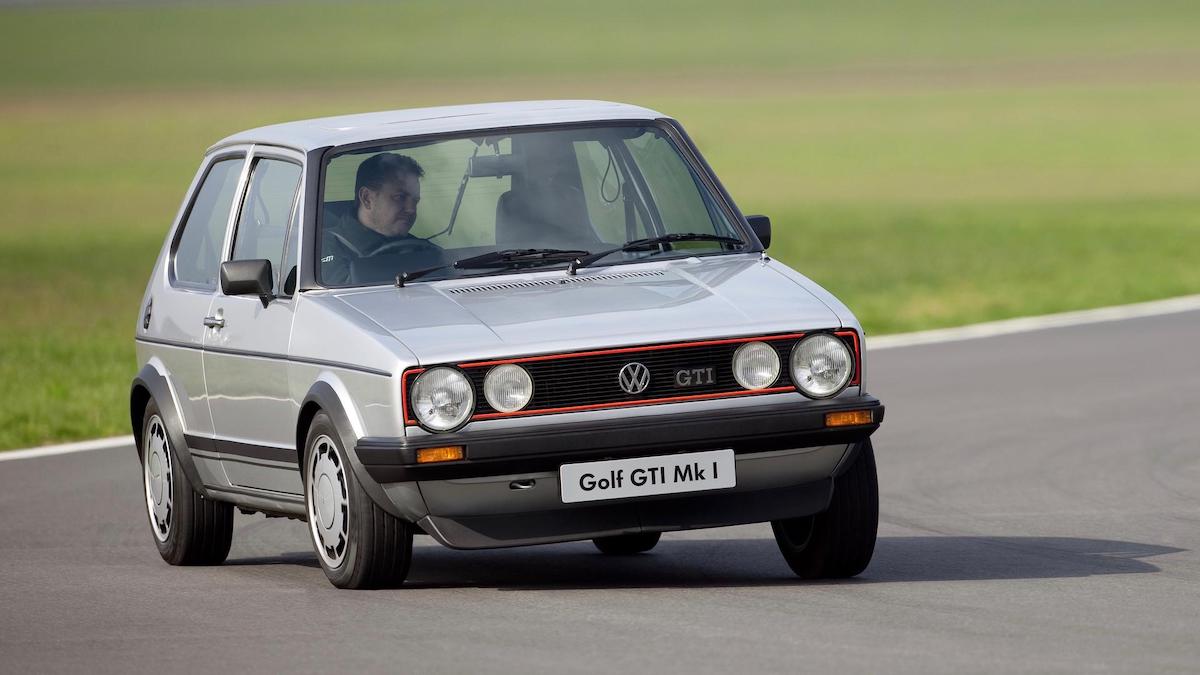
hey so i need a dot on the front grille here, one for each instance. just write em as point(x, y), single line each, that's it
point(588, 380)
point(593, 380)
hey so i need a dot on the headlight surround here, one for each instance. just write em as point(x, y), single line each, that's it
point(508, 388)
point(442, 398)
point(821, 365)
point(755, 365)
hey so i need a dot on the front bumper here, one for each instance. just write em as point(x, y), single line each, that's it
point(490, 512)
point(506, 492)
point(795, 422)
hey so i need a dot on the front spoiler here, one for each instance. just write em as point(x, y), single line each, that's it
point(544, 447)
point(603, 519)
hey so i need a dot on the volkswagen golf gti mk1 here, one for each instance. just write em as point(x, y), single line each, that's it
point(495, 325)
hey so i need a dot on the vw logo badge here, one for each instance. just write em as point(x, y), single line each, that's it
point(634, 378)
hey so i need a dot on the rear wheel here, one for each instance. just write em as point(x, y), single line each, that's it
point(188, 528)
point(359, 545)
point(627, 544)
point(839, 542)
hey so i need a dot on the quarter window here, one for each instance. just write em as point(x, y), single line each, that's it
point(198, 253)
point(266, 212)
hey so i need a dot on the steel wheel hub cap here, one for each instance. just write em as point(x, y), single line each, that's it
point(159, 477)
point(328, 501)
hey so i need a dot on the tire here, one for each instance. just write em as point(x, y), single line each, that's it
point(839, 542)
point(358, 544)
point(187, 528)
point(627, 544)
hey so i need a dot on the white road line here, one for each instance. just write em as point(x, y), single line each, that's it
point(1026, 324)
point(82, 446)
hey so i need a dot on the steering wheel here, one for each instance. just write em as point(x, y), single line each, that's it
point(399, 245)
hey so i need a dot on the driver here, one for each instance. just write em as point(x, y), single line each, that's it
point(387, 189)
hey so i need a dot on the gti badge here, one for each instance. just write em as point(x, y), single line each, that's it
point(634, 378)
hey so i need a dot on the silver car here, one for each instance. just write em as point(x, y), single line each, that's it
point(495, 325)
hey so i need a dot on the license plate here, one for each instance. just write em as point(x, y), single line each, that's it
point(642, 476)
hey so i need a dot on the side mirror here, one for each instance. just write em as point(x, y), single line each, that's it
point(762, 229)
point(247, 277)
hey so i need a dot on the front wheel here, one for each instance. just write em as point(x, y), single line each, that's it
point(359, 545)
point(188, 528)
point(839, 542)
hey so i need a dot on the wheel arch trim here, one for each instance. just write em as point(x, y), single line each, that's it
point(151, 384)
point(332, 398)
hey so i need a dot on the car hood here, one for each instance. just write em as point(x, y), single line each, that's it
point(537, 313)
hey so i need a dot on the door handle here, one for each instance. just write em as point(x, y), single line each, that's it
point(214, 321)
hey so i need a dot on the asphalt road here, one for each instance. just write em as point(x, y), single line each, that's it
point(1040, 512)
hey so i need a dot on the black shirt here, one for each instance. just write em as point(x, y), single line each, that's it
point(347, 243)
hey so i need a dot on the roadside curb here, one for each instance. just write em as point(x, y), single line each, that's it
point(1029, 324)
point(975, 331)
point(66, 448)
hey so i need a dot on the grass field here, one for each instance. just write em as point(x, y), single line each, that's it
point(932, 163)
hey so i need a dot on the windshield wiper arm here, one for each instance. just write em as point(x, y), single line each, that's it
point(515, 257)
point(405, 277)
point(506, 258)
point(643, 244)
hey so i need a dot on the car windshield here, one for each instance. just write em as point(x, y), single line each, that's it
point(513, 201)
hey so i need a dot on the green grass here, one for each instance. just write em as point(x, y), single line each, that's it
point(933, 164)
point(909, 268)
point(305, 43)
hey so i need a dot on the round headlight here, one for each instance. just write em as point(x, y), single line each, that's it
point(821, 365)
point(443, 398)
point(508, 388)
point(755, 365)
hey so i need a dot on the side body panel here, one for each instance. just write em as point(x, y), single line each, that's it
point(247, 374)
point(330, 340)
point(245, 361)
point(170, 333)
point(178, 322)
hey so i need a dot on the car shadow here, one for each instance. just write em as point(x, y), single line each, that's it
point(757, 562)
point(296, 558)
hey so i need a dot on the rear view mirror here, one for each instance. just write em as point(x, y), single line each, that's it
point(247, 277)
point(496, 165)
point(762, 229)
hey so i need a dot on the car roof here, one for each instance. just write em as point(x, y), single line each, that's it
point(306, 135)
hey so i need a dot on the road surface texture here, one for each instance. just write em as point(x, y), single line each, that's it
point(1040, 512)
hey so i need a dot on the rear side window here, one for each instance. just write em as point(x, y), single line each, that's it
point(198, 253)
point(266, 212)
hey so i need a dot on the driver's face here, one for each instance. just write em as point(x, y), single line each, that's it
point(392, 209)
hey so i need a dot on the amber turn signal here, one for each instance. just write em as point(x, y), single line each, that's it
point(848, 418)
point(448, 453)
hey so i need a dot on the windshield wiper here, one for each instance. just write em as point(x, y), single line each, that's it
point(644, 244)
point(512, 257)
point(517, 257)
